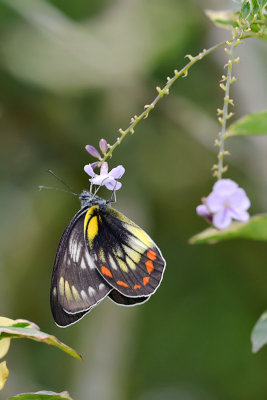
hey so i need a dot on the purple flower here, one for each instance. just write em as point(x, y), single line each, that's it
point(203, 211)
point(92, 150)
point(103, 145)
point(105, 178)
point(226, 202)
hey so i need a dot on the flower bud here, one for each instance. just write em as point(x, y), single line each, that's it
point(95, 164)
point(103, 145)
point(92, 151)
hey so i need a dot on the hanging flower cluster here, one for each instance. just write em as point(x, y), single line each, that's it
point(103, 145)
point(226, 202)
point(104, 178)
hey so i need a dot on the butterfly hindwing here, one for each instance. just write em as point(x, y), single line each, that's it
point(125, 255)
point(76, 284)
point(119, 298)
point(62, 318)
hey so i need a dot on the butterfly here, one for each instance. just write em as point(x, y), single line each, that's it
point(102, 253)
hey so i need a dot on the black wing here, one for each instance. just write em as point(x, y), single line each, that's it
point(76, 285)
point(118, 298)
point(124, 254)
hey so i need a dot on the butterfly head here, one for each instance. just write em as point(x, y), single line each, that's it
point(88, 199)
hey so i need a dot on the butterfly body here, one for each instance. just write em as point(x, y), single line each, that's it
point(102, 253)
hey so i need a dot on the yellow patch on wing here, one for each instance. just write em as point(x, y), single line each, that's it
point(118, 252)
point(102, 255)
point(68, 294)
point(134, 229)
point(92, 229)
point(133, 254)
point(130, 263)
point(140, 234)
point(61, 286)
point(88, 215)
point(75, 293)
point(122, 265)
point(91, 224)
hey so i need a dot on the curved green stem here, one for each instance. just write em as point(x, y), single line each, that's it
point(161, 93)
point(224, 116)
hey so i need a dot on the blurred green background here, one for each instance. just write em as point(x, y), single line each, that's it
point(72, 72)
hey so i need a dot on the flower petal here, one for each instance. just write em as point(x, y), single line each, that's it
point(95, 164)
point(225, 187)
point(117, 172)
point(202, 210)
point(222, 219)
point(92, 151)
point(215, 201)
point(239, 200)
point(113, 185)
point(104, 168)
point(99, 179)
point(241, 215)
point(89, 170)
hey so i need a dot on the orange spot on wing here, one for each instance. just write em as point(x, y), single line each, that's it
point(149, 266)
point(137, 287)
point(146, 280)
point(121, 283)
point(106, 271)
point(151, 254)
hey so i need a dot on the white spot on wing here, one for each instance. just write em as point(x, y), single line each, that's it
point(73, 247)
point(91, 291)
point(112, 263)
point(78, 252)
point(83, 264)
point(137, 244)
point(90, 261)
point(84, 295)
point(101, 286)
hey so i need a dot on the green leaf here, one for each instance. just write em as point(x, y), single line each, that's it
point(5, 343)
point(15, 329)
point(250, 124)
point(245, 9)
point(224, 18)
point(255, 229)
point(259, 333)
point(255, 7)
point(262, 3)
point(4, 372)
point(41, 396)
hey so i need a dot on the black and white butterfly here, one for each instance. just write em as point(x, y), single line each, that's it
point(102, 253)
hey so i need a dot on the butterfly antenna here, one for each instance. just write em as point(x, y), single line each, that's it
point(94, 194)
point(98, 188)
point(56, 188)
point(64, 183)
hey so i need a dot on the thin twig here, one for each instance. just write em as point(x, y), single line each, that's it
point(161, 93)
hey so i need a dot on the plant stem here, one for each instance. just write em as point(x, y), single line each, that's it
point(161, 93)
point(220, 169)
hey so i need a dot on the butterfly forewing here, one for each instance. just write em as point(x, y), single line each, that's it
point(76, 283)
point(124, 254)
